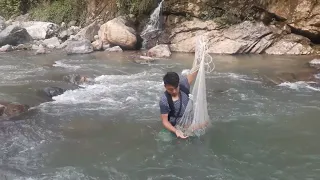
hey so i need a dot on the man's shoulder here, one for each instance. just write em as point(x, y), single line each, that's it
point(184, 81)
point(163, 98)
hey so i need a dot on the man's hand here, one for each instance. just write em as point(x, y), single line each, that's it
point(180, 134)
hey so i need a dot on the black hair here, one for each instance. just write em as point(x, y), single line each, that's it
point(171, 78)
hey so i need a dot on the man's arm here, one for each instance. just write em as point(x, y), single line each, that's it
point(171, 128)
point(192, 76)
point(167, 124)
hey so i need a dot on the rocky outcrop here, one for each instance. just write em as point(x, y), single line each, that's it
point(291, 44)
point(159, 51)
point(39, 30)
point(119, 34)
point(14, 35)
point(302, 15)
point(246, 37)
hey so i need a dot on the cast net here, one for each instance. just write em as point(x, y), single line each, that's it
point(195, 119)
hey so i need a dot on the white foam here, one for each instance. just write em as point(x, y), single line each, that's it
point(315, 62)
point(62, 63)
point(299, 85)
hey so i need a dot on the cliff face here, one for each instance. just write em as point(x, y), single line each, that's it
point(292, 25)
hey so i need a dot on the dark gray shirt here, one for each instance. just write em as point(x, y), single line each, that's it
point(164, 105)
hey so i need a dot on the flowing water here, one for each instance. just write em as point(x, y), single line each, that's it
point(110, 128)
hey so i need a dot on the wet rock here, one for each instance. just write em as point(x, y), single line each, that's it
point(53, 91)
point(76, 79)
point(11, 109)
point(159, 51)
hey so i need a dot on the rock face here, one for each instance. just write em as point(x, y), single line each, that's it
point(39, 30)
point(119, 34)
point(291, 44)
point(246, 37)
point(14, 35)
point(159, 51)
point(302, 15)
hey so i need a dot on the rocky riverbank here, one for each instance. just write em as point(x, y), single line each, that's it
point(267, 30)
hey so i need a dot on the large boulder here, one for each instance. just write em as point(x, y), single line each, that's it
point(89, 31)
point(291, 44)
point(39, 30)
point(79, 47)
point(119, 34)
point(14, 35)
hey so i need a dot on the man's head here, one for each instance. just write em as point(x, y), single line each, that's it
point(171, 83)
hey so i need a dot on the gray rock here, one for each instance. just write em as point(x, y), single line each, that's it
point(79, 47)
point(14, 35)
point(6, 48)
point(114, 49)
point(52, 42)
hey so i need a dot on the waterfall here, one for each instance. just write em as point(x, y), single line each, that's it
point(153, 25)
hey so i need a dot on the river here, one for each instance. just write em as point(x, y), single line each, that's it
point(110, 129)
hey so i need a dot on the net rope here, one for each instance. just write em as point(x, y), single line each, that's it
point(195, 119)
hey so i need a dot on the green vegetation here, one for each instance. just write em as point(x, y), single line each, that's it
point(60, 11)
point(56, 11)
point(136, 7)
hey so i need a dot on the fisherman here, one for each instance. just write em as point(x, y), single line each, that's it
point(174, 100)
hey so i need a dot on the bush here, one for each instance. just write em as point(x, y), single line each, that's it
point(60, 11)
point(9, 8)
point(136, 7)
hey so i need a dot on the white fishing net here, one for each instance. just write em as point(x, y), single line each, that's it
point(196, 119)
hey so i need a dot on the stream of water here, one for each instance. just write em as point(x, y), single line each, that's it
point(109, 129)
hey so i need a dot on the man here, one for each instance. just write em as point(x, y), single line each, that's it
point(176, 94)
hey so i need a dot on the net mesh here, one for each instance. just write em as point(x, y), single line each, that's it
point(196, 119)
